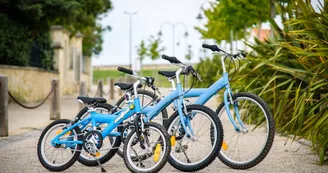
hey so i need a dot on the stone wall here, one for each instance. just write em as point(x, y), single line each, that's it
point(31, 84)
point(28, 84)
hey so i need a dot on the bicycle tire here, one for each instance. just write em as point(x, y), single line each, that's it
point(165, 155)
point(154, 97)
point(72, 159)
point(211, 157)
point(105, 158)
point(234, 164)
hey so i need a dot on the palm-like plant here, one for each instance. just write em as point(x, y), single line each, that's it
point(291, 71)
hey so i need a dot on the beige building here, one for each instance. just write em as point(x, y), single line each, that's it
point(72, 66)
point(32, 84)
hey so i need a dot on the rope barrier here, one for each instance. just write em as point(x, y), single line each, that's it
point(31, 107)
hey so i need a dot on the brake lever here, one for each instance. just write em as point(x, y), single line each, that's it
point(199, 77)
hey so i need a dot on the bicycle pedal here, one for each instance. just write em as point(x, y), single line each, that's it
point(181, 149)
point(157, 152)
point(172, 139)
point(141, 164)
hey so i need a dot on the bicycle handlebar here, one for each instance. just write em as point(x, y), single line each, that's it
point(171, 59)
point(150, 81)
point(213, 47)
point(125, 70)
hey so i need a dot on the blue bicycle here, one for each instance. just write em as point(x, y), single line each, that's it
point(251, 119)
point(69, 139)
point(147, 144)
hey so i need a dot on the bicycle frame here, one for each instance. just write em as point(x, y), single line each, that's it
point(115, 119)
point(204, 94)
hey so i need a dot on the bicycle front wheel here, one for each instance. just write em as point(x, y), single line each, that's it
point(245, 149)
point(146, 98)
point(152, 154)
point(193, 154)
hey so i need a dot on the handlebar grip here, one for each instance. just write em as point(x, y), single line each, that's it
point(124, 70)
point(213, 47)
point(171, 59)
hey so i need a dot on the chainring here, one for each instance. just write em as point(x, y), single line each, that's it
point(92, 142)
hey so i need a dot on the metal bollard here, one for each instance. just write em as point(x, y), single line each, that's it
point(55, 101)
point(83, 92)
point(100, 88)
point(3, 106)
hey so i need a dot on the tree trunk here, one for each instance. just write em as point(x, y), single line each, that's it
point(245, 35)
point(231, 40)
point(236, 43)
point(259, 30)
point(272, 14)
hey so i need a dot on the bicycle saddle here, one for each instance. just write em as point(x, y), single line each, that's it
point(91, 100)
point(126, 86)
point(170, 74)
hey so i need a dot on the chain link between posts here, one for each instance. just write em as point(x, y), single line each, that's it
point(32, 107)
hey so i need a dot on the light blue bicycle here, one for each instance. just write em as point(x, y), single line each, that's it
point(143, 151)
point(250, 134)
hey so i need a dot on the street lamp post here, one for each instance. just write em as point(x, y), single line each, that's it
point(173, 32)
point(130, 35)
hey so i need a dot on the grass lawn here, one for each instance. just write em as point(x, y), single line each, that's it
point(160, 80)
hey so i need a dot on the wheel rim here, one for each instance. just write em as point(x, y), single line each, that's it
point(204, 141)
point(153, 141)
point(54, 152)
point(245, 153)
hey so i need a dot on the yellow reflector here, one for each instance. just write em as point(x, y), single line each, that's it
point(98, 154)
point(224, 146)
point(157, 152)
point(60, 131)
point(172, 140)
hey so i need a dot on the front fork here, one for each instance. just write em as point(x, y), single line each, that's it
point(140, 128)
point(228, 100)
point(184, 117)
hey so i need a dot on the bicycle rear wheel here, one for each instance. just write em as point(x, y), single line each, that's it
point(110, 144)
point(195, 154)
point(61, 156)
point(245, 150)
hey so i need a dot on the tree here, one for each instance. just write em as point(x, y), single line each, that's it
point(142, 50)
point(228, 19)
point(154, 48)
point(189, 54)
point(34, 19)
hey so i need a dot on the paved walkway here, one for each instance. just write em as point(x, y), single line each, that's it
point(18, 152)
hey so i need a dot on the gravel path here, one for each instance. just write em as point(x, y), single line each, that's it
point(18, 154)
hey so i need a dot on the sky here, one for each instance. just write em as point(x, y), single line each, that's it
point(151, 14)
